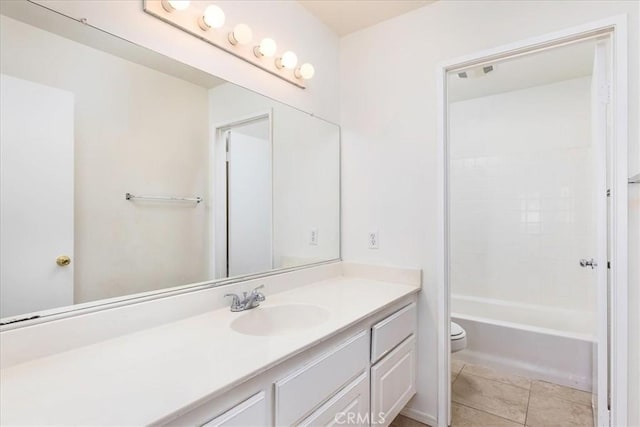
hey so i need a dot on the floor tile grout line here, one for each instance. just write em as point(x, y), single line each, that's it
point(458, 374)
point(564, 398)
point(531, 381)
point(568, 401)
point(502, 382)
point(526, 414)
point(489, 413)
point(494, 380)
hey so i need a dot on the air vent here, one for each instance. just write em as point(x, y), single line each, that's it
point(474, 73)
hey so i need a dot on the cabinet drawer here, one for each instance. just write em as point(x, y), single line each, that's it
point(388, 333)
point(350, 406)
point(393, 381)
point(303, 390)
point(251, 412)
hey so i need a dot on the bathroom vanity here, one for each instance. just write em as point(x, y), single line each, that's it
point(311, 354)
point(115, 312)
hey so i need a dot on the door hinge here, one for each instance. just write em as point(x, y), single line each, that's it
point(608, 192)
point(604, 93)
point(588, 263)
point(609, 265)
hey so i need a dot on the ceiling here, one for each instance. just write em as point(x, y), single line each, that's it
point(347, 16)
point(546, 67)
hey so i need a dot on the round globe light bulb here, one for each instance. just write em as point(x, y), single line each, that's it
point(177, 4)
point(268, 47)
point(241, 34)
point(289, 60)
point(213, 16)
point(305, 71)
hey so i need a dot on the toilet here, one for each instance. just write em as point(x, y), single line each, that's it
point(458, 338)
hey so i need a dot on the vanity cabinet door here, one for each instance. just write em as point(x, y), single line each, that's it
point(251, 412)
point(349, 407)
point(393, 382)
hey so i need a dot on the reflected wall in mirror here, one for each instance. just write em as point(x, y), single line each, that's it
point(87, 118)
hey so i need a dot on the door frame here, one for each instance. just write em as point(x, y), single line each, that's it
point(217, 207)
point(617, 27)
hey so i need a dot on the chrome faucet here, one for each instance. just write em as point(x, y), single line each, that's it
point(247, 302)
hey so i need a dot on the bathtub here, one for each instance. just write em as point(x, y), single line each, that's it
point(534, 341)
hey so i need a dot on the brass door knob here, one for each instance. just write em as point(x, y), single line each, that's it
point(63, 260)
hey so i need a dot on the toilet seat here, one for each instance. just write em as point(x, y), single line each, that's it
point(457, 332)
point(458, 338)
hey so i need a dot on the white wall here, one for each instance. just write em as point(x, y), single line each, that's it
point(136, 130)
point(306, 168)
point(290, 24)
point(388, 116)
point(522, 197)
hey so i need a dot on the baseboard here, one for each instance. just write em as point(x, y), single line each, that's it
point(419, 416)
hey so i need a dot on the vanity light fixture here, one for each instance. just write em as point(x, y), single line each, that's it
point(305, 71)
point(213, 17)
point(171, 5)
point(288, 60)
point(241, 34)
point(267, 47)
point(198, 18)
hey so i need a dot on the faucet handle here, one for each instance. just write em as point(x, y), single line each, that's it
point(235, 303)
point(259, 296)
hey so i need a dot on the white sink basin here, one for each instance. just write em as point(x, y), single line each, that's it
point(279, 320)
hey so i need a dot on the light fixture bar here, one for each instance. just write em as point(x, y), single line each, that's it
point(188, 21)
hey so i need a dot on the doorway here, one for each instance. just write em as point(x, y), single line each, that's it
point(507, 263)
point(243, 190)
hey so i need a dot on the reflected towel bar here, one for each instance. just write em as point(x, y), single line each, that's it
point(635, 179)
point(130, 196)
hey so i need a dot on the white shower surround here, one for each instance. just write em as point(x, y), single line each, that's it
point(522, 193)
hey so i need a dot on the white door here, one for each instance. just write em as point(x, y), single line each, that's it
point(599, 105)
point(36, 190)
point(249, 199)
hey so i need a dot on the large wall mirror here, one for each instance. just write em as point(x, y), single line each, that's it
point(126, 173)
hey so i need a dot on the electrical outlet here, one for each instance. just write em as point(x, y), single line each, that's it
point(373, 240)
point(313, 237)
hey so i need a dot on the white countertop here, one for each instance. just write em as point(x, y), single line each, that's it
point(149, 375)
